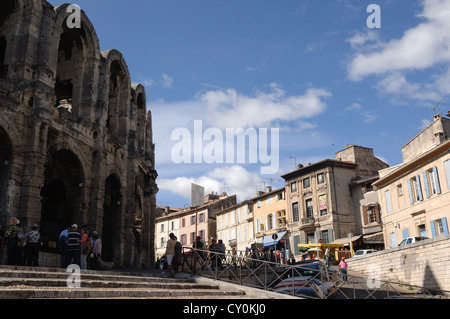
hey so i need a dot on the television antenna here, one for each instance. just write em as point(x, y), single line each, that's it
point(271, 181)
point(437, 107)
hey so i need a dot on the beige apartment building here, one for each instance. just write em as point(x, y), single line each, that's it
point(235, 226)
point(190, 222)
point(320, 205)
point(415, 195)
point(270, 218)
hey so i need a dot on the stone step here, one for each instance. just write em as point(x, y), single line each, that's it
point(85, 276)
point(92, 293)
point(45, 282)
point(51, 283)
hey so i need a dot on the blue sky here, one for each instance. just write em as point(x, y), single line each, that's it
point(313, 69)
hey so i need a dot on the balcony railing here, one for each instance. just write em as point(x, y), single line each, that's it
point(307, 222)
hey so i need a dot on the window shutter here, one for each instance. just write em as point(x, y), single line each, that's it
point(388, 201)
point(447, 172)
point(433, 230)
point(425, 181)
point(376, 211)
point(411, 198)
point(405, 233)
point(366, 218)
point(419, 187)
point(436, 180)
point(445, 225)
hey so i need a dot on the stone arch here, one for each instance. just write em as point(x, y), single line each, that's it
point(117, 86)
point(62, 194)
point(112, 207)
point(139, 116)
point(77, 60)
point(8, 25)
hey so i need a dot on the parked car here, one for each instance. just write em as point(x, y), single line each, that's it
point(411, 240)
point(313, 279)
point(363, 252)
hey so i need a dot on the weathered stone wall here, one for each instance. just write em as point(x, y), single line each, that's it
point(425, 264)
point(76, 136)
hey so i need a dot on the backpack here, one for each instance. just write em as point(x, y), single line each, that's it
point(86, 246)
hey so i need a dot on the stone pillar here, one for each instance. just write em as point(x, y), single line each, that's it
point(33, 175)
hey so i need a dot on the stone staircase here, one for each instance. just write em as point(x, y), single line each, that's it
point(52, 283)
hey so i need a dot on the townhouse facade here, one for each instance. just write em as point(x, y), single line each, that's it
point(190, 222)
point(319, 200)
point(235, 226)
point(270, 218)
point(415, 195)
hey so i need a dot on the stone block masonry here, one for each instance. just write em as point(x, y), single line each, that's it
point(425, 263)
point(76, 140)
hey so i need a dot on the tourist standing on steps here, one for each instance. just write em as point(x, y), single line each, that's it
point(97, 250)
point(63, 241)
point(176, 263)
point(13, 242)
point(33, 239)
point(74, 245)
point(86, 246)
point(170, 253)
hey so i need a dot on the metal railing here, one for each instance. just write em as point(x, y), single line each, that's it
point(309, 279)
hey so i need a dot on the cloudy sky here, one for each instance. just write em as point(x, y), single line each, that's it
point(311, 70)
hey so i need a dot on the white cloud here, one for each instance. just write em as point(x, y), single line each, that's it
point(423, 47)
point(369, 116)
point(226, 108)
point(397, 85)
point(230, 109)
point(361, 41)
point(166, 81)
point(234, 180)
point(420, 47)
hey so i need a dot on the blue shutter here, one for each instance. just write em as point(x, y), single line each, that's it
point(405, 233)
point(419, 187)
point(393, 240)
point(433, 230)
point(447, 172)
point(445, 225)
point(425, 182)
point(436, 179)
point(411, 198)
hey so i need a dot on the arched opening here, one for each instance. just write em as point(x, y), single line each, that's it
point(140, 101)
point(5, 173)
point(111, 219)
point(61, 195)
point(7, 8)
point(117, 96)
point(72, 52)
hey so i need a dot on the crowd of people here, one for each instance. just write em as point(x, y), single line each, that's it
point(76, 246)
point(79, 248)
point(21, 248)
point(216, 256)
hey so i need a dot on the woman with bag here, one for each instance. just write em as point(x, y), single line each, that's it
point(13, 252)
